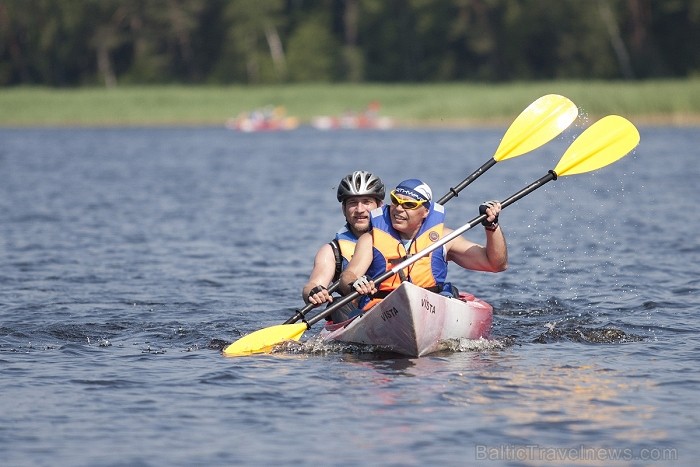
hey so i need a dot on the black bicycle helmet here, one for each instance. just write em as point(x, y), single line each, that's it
point(361, 183)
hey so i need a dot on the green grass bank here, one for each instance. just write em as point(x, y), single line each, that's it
point(666, 102)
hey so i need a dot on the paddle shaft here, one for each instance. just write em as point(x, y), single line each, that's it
point(301, 313)
point(454, 192)
point(551, 175)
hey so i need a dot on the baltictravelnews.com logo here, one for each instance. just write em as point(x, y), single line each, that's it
point(535, 452)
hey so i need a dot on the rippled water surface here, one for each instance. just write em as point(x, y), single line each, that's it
point(129, 257)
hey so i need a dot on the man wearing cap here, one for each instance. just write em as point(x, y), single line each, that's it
point(410, 224)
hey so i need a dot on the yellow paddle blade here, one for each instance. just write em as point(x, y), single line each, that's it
point(264, 340)
point(607, 140)
point(538, 124)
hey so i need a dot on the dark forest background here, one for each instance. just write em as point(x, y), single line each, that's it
point(110, 42)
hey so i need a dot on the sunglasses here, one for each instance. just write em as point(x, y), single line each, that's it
point(409, 204)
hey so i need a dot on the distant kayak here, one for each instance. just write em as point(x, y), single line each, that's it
point(369, 118)
point(265, 119)
point(351, 122)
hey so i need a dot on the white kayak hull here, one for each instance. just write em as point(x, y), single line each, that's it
point(414, 321)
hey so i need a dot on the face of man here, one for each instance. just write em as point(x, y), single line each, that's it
point(356, 210)
point(404, 220)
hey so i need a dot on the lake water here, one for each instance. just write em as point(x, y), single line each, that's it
point(129, 257)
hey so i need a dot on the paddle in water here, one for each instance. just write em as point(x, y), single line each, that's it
point(539, 123)
point(602, 144)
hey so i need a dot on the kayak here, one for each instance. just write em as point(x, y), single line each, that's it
point(249, 124)
point(368, 118)
point(414, 321)
point(267, 118)
point(351, 122)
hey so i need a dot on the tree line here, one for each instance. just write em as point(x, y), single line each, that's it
point(110, 42)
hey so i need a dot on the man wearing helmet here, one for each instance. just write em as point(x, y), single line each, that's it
point(410, 224)
point(359, 192)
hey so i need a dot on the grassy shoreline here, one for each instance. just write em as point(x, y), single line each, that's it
point(661, 102)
